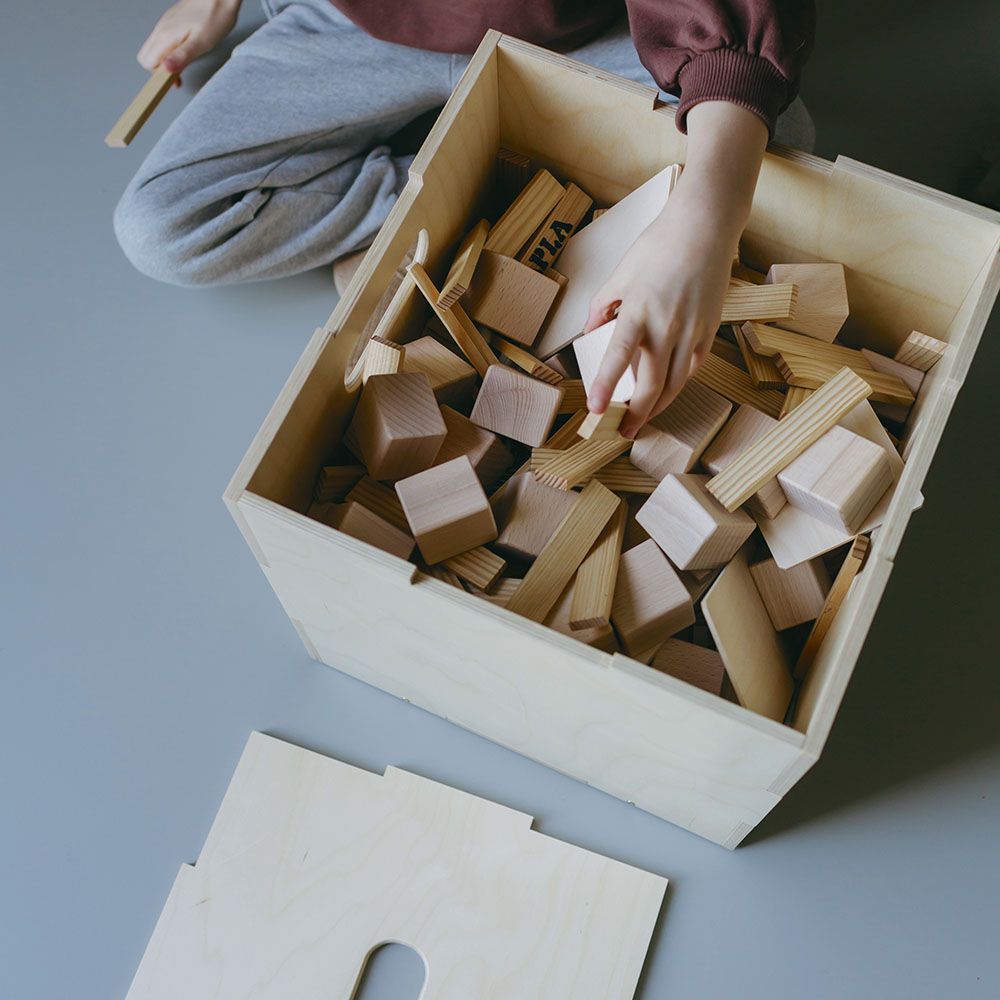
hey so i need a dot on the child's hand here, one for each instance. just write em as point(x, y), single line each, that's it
point(669, 287)
point(188, 29)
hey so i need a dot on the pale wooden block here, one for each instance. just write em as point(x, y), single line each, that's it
point(742, 429)
point(920, 351)
point(578, 463)
point(755, 659)
point(674, 440)
point(912, 377)
point(526, 361)
point(574, 395)
point(594, 252)
point(762, 303)
point(619, 475)
point(650, 601)
point(838, 479)
point(563, 553)
point(463, 267)
point(781, 445)
point(509, 297)
point(382, 357)
point(452, 379)
point(599, 636)
point(849, 569)
point(595, 579)
point(692, 664)
point(603, 426)
point(544, 248)
point(397, 425)
point(590, 350)
point(821, 307)
point(359, 522)
point(526, 213)
point(489, 456)
point(516, 405)
point(335, 481)
point(691, 526)
point(311, 864)
point(772, 340)
point(447, 509)
point(142, 106)
point(794, 536)
point(762, 370)
point(527, 515)
point(736, 385)
point(792, 596)
point(796, 394)
point(381, 500)
point(460, 328)
point(813, 373)
point(478, 566)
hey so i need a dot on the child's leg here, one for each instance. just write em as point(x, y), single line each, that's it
point(279, 164)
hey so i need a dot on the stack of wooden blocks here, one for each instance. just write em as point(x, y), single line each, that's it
point(471, 450)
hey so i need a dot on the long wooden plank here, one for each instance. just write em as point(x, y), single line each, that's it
point(849, 569)
point(548, 243)
point(775, 449)
point(812, 373)
point(456, 284)
point(762, 370)
point(143, 105)
point(737, 386)
point(460, 328)
point(772, 340)
point(796, 394)
point(527, 212)
point(920, 351)
point(574, 395)
point(478, 566)
point(594, 590)
point(526, 361)
point(566, 549)
point(763, 303)
point(619, 475)
point(578, 463)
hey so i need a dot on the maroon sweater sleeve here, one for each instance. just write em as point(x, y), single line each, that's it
point(749, 52)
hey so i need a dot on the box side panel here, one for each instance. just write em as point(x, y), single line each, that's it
point(614, 724)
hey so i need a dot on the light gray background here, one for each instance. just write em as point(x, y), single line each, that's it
point(140, 643)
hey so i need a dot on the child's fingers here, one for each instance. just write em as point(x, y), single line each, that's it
point(648, 391)
point(183, 55)
point(624, 343)
point(602, 308)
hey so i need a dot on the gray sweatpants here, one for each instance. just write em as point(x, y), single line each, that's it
point(282, 161)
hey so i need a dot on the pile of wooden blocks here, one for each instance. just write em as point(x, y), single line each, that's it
point(471, 450)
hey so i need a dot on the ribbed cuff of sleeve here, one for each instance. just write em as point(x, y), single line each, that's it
point(738, 77)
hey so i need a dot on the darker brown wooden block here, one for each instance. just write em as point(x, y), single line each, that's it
point(489, 456)
point(397, 428)
point(527, 514)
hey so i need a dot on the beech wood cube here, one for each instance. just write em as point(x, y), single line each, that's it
point(821, 306)
point(839, 479)
point(674, 440)
point(489, 456)
point(741, 430)
point(691, 526)
point(694, 664)
point(452, 379)
point(356, 520)
point(516, 405)
point(397, 428)
point(791, 596)
point(447, 510)
point(650, 603)
point(527, 514)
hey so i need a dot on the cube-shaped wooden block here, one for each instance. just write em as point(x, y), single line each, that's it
point(839, 479)
point(741, 430)
point(452, 379)
point(691, 526)
point(447, 509)
point(356, 520)
point(694, 664)
point(516, 405)
point(675, 440)
point(821, 305)
point(791, 596)
point(527, 514)
point(651, 603)
point(509, 297)
point(489, 456)
point(397, 428)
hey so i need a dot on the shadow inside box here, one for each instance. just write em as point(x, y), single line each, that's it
point(926, 691)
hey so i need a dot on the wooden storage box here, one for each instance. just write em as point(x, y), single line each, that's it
point(915, 259)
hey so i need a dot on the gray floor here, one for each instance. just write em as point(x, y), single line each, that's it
point(140, 643)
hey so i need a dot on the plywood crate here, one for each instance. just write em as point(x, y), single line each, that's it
point(915, 259)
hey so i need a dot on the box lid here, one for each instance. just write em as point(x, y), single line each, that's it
point(311, 864)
